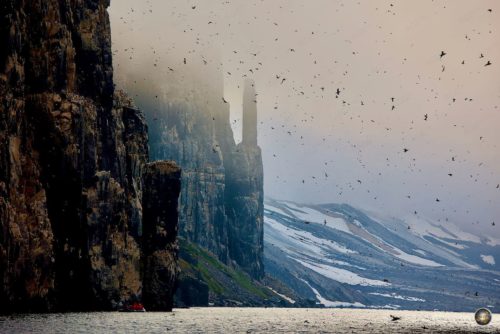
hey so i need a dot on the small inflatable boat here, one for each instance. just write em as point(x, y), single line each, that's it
point(135, 307)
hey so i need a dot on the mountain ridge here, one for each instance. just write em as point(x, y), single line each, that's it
point(339, 254)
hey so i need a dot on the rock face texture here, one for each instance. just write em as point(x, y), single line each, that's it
point(160, 249)
point(244, 193)
point(72, 155)
point(187, 135)
point(221, 203)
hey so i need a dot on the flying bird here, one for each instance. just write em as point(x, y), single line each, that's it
point(442, 54)
point(394, 318)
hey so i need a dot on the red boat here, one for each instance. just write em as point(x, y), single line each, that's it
point(134, 307)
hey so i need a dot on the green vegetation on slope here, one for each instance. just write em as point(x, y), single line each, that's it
point(226, 285)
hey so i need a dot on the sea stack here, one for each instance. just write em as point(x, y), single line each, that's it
point(246, 193)
point(249, 114)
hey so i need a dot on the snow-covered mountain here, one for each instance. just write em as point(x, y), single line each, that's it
point(343, 257)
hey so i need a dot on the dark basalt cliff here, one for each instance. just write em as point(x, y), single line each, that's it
point(221, 202)
point(73, 152)
point(161, 190)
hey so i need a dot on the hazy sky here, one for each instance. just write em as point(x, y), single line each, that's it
point(405, 117)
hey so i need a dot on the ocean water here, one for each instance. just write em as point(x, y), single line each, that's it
point(249, 320)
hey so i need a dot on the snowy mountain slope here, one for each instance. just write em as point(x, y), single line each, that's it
point(340, 256)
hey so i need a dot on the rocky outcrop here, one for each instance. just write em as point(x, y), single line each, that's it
point(72, 154)
point(160, 249)
point(221, 204)
point(186, 134)
point(245, 195)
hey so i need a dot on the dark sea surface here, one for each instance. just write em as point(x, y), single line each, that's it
point(249, 320)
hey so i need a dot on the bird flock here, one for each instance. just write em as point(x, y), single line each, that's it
point(348, 107)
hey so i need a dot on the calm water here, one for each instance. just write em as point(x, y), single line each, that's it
point(250, 320)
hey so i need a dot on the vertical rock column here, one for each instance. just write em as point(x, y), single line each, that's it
point(245, 193)
point(162, 184)
point(249, 135)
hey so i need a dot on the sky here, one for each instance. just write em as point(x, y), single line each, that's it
point(390, 106)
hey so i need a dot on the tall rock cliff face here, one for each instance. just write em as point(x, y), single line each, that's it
point(244, 193)
point(187, 133)
point(160, 249)
point(221, 203)
point(72, 155)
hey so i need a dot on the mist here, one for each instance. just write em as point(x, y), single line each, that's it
point(357, 103)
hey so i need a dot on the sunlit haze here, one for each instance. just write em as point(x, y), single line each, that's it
point(392, 107)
